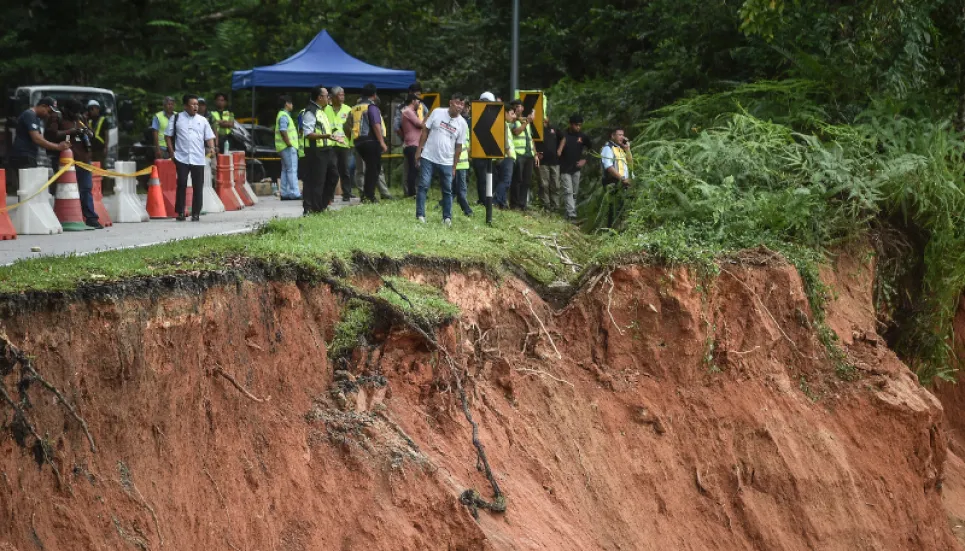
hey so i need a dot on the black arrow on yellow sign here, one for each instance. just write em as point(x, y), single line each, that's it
point(431, 100)
point(488, 131)
point(533, 101)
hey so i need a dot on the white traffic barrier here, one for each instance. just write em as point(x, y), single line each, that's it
point(125, 206)
point(36, 217)
point(251, 192)
point(234, 187)
point(212, 203)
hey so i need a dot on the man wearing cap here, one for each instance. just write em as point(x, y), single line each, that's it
point(159, 127)
point(29, 137)
point(421, 112)
point(203, 110)
point(99, 126)
point(223, 121)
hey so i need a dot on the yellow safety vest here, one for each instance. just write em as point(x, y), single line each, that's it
point(162, 126)
point(523, 143)
point(223, 116)
point(464, 154)
point(338, 122)
point(619, 161)
point(291, 131)
point(358, 112)
point(97, 129)
point(322, 126)
point(510, 143)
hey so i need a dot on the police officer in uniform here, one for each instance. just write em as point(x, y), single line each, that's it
point(321, 175)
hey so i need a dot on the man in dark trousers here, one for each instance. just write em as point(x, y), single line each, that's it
point(368, 130)
point(321, 174)
point(189, 137)
point(549, 167)
point(30, 138)
point(573, 144)
point(71, 125)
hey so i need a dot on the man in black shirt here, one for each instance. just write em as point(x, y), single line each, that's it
point(30, 137)
point(549, 167)
point(572, 146)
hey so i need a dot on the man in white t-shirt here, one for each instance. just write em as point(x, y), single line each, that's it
point(443, 137)
point(188, 138)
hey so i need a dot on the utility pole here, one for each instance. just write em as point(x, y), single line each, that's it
point(514, 71)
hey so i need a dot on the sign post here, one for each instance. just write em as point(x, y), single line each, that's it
point(487, 140)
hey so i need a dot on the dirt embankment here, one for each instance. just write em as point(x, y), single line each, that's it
point(655, 411)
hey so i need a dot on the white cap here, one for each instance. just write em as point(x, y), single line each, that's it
point(93, 103)
point(487, 96)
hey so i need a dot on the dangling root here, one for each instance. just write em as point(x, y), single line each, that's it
point(470, 498)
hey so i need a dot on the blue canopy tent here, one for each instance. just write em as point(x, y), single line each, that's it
point(322, 62)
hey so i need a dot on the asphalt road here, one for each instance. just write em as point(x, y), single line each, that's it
point(122, 236)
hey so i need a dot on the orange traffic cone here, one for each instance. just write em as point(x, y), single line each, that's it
point(155, 199)
point(6, 226)
point(67, 200)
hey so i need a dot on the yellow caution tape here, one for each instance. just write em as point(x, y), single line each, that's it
point(110, 173)
point(63, 169)
point(53, 179)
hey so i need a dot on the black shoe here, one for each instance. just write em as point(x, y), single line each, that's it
point(195, 218)
point(94, 224)
point(180, 218)
point(291, 198)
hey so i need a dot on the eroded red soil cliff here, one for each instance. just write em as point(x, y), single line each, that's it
point(655, 411)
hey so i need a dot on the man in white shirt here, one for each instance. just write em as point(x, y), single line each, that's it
point(443, 137)
point(189, 137)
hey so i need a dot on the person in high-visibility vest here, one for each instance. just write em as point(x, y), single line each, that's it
point(617, 162)
point(159, 125)
point(286, 144)
point(337, 114)
point(505, 169)
point(223, 121)
point(368, 132)
point(318, 137)
point(99, 141)
point(462, 169)
point(525, 157)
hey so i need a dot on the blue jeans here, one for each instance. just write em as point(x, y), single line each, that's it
point(445, 179)
point(85, 185)
point(502, 179)
point(460, 185)
point(289, 173)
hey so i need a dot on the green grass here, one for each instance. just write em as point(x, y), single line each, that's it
point(315, 242)
point(426, 305)
point(355, 323)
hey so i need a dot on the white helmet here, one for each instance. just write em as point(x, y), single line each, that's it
point(487, 96)
point(93, 103)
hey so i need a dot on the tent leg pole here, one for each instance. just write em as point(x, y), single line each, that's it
point(252, 133)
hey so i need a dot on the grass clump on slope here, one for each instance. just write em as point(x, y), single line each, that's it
point(387, 229)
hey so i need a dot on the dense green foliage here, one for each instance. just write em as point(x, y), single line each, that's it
point(774, 164)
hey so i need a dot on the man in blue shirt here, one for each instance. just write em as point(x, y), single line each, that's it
point(29, 138)
point(617, 160)
point(188, 138)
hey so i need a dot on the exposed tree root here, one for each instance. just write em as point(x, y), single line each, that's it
point(541, 325)
point(240, 388)
point(470, 498)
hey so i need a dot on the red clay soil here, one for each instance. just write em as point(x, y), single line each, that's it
point(952, 396)
point(656, 411)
